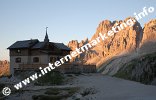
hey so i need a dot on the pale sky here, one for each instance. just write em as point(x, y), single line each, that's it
point(67, 19)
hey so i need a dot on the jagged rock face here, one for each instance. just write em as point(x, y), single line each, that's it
point(125, 40)
point(4, 63)
point(148, 43)
point(73, 44)
point(149, 32)
point(103, 27)
point(113, 65)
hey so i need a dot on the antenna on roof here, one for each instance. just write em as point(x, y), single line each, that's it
point(46, 29)
point(46, 39)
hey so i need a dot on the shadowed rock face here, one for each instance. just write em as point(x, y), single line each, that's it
point(141, 69)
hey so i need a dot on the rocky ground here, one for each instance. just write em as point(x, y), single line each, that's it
point(88, 87)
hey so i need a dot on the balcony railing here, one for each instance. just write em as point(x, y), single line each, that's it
point(31, 66)
point(65, 68)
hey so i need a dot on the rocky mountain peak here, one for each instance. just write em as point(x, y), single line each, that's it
point(149, 31)
point(126, 40)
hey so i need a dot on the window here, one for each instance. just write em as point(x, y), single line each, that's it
point(18, 51)
point(18, 60)
point(52, 59)
point(35, 59)
point(58, 58)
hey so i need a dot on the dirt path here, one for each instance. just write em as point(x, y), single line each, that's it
point(111, 88)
